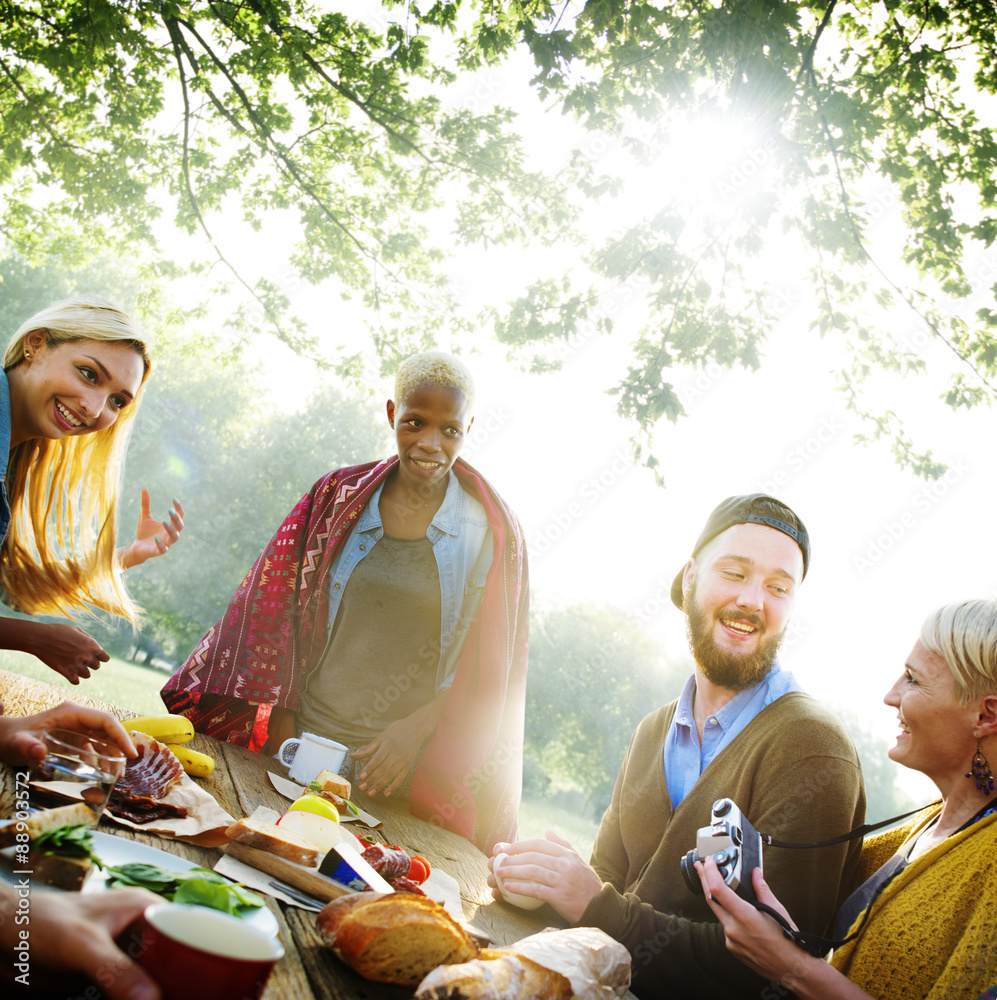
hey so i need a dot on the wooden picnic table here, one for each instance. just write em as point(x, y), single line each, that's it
point(239, 784)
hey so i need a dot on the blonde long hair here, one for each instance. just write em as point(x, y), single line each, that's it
point(60, 552)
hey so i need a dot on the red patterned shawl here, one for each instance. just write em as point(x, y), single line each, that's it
point(274, 631)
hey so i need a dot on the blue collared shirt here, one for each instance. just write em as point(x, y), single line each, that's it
point(684, 758)
point(462, 544)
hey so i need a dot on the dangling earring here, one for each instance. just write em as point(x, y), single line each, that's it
point(981, 771)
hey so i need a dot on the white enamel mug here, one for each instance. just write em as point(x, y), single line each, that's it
point(307, 756)
point(516, 898)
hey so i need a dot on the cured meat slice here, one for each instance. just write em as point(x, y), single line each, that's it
point(153, 772)
point(142, 809)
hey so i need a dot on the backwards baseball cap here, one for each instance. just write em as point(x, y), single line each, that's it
point(753, 508)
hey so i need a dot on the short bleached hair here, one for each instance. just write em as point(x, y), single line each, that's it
point(435, 368)
point(964, 635)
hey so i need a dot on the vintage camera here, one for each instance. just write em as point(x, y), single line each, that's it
point(735, 846)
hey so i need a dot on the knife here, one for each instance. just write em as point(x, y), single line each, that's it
point(301, 898)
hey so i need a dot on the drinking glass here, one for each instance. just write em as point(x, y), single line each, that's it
point(77, 766)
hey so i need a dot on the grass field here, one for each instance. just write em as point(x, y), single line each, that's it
point(117, 682)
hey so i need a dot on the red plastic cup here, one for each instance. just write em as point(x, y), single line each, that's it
point(194, 951)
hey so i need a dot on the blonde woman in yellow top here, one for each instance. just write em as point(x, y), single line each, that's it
point(924, 921)
point(73, 378)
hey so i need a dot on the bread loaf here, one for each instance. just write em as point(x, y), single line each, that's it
point(271, 838)
point(396, 938)
point(581, 962)
point(507, 977)
point(329, 782)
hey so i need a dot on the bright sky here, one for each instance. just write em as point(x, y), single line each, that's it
point(887, 548)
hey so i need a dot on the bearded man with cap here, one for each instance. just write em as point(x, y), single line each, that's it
point(742, 729)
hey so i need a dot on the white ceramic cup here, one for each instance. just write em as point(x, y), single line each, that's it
point(307, 756)
point(516, 898)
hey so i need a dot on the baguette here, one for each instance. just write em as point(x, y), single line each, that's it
point(396, 938)
point(508, 977)
point(271, 838)
point(77, 814)
point(581, 962)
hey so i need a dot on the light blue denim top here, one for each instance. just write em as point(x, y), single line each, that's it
point(462, 544)
point(683, 757)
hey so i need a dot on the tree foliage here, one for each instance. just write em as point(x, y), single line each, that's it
point(834, 112)
point(125, 120)
point(268, 111)
point(593, 676)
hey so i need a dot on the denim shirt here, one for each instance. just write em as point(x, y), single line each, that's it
point(684, 759)
point(4, 455)
point(462, 544)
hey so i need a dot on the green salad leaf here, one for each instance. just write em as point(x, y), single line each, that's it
point(200, 886)
point(71, 841)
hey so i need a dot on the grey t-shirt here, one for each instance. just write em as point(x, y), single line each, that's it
point(381, 661)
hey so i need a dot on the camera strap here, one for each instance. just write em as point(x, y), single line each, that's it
point(814, 943)
point(859, 831)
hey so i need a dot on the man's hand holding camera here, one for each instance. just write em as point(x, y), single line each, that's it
point(551, 870)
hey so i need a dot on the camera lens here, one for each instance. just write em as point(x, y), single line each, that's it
point(690, 874)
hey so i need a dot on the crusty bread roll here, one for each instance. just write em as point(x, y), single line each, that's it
point(507, 977)
point(336, 783)
point(393, 938)
point(271, 838)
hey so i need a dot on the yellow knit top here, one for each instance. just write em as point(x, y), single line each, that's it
point(932, 932)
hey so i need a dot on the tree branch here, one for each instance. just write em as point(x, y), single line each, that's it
point(860, 243)
point(807, 65)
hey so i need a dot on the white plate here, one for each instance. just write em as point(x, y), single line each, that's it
point(119, 851)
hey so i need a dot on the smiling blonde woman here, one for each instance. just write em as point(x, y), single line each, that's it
point(73, 378)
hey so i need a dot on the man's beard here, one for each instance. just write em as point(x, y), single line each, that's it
point(735, 673)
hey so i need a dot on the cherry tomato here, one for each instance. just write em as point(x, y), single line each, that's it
point(419, 870)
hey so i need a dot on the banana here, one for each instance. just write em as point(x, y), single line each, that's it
point(165, 728)
point(197, 765)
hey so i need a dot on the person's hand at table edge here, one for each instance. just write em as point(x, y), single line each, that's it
point(76, 933)
point(551, 870)
point(21, 736)
point(392, 754)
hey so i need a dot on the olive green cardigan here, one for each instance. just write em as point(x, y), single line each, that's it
point(795, 774)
